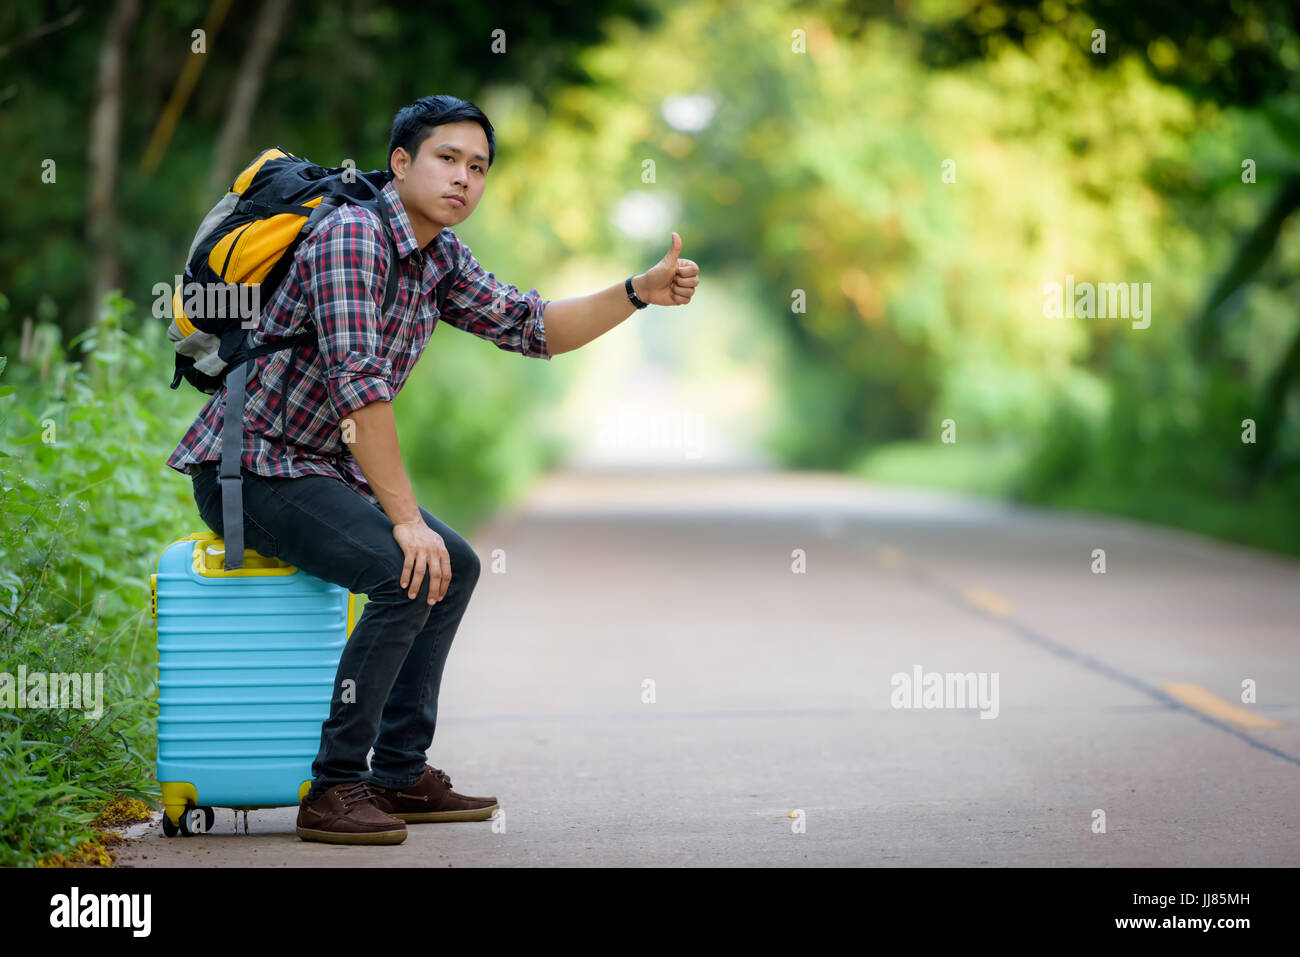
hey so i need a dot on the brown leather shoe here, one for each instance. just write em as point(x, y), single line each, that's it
point(432, 799)
point(346, 814)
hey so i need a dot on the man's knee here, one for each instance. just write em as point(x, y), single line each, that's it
point(465, 564)
point(464, 561)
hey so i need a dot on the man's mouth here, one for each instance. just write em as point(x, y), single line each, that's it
point(455, 199)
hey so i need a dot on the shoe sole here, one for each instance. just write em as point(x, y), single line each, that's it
point(432, 817)
point(344, 837)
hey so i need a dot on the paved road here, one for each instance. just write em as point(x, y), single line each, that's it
point(1117, 692)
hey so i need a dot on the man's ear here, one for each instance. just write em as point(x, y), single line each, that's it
point(400, 161)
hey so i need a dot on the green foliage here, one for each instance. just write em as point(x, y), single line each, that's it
point(338, 74)
point(1170, 450)
point(1231, 53)
point(84, 511)
point(467, 423)
point(967, 467)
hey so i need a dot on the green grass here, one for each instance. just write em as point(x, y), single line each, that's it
point(988, 471)
point(1268, 520)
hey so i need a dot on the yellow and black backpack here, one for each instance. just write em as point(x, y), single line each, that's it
point(248, 239)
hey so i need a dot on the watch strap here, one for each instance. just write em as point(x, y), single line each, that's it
point(631, 294)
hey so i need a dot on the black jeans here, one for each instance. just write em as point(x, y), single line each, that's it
point(398, 647)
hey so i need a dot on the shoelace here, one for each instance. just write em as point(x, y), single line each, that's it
point(358, 793)
point(441, 776)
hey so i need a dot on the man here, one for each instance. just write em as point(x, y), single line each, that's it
point(324, 485)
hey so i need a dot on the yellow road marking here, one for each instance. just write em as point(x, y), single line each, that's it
point(1203, 700)
point(983, 598)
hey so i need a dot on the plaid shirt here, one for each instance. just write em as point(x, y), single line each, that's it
point(297, 397)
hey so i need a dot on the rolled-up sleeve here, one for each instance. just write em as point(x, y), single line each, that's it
point(345, 294)
point(480, 303)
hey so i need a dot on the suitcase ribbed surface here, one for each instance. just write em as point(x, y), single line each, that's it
point(246, 666)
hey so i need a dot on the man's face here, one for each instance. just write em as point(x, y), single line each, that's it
point(452, 159)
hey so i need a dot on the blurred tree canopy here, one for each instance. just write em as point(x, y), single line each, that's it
point(898, 183)
point(883, 189)
point(334, 75)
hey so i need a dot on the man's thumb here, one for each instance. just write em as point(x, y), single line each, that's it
point(671, 256)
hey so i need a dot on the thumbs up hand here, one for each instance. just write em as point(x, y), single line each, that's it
point(671, 281)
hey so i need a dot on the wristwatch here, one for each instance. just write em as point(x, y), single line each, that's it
point(631, 295)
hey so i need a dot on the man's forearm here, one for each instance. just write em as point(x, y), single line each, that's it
point(374, 445)
point(571, 323)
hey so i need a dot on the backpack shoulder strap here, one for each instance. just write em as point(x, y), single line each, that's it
point(228, 476)
point(443, 289)
point(390, 285)
point(376, 205)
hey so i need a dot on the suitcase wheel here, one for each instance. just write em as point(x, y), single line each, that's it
point(195, 820)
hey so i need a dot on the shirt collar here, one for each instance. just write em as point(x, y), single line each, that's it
point(400, 222)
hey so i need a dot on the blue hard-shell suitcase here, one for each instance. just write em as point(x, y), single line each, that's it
point(246, 667)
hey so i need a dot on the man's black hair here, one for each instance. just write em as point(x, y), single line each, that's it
point(413, 124)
